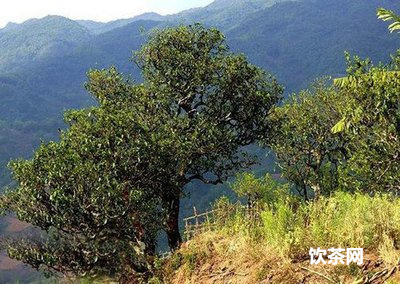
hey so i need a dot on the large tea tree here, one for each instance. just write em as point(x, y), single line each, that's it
point(217, 103)
point(118, 173)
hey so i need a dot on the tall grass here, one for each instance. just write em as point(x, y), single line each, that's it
point(273, 241)
point(290, 226)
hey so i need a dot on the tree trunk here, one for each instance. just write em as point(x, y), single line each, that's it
point(305, 191)
point(172, 222)
point(150, 249)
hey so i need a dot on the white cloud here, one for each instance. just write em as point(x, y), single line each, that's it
point(21, 10)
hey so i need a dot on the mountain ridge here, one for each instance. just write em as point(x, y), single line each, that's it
point(39, 38)
point(102, 27)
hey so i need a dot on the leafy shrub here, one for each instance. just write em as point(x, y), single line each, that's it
point(265, 190)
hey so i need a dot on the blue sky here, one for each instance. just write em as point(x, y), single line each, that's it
point(99, 10)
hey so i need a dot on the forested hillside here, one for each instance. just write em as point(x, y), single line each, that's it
point(38, 39)
point(303, 40)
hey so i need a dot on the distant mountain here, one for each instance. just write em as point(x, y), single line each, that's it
point(38, 39)
point(9, 26)
point(48, 86)
point(300, 41)
point(99, 27)
point(223, 4)
point(224, 14)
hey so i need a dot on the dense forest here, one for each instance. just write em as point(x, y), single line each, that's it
point(202, 104)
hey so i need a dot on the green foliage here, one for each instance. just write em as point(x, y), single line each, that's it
point(265, 190)
point(345, 136)
point(371, 120)
point(216, 103)
point(333, 219)
point(176, 261)
point(389, 15)
point(263, 193)
point(117, 174)
point(99, 211)
point(307, 151)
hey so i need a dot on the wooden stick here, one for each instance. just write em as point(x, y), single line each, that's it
point(319, 274)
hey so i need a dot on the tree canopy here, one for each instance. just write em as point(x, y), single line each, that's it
point(372, 120)
point(216, 103)
point(307, 151)
point(344, 136)
point(118, 173)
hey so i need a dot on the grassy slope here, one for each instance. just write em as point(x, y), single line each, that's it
point(215, 258)
point(276, 249)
